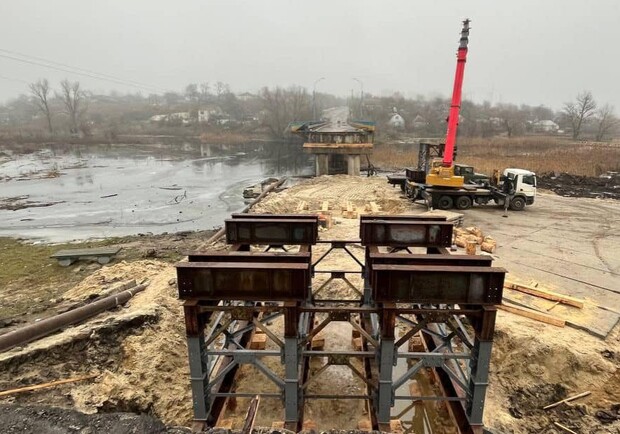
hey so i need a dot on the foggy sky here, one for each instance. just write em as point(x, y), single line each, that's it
point(532, 51)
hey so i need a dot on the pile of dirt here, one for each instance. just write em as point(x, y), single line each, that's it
point(565, 184)
point(139, 349)
point(107, 278)
point(20, 419)
point(153, 375)
point(337, 190)
point(534, 365)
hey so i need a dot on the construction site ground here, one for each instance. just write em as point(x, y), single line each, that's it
point(139, 352)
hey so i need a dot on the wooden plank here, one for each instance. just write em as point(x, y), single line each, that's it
point(325, 206)
point(303, 205)
point(564, 428)
point(569, 399)
point(98, 251)
point(544, 293)
point(47, 385)
point(532, 314)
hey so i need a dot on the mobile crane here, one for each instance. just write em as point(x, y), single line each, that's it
point(444, 184)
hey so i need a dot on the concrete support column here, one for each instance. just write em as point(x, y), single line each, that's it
point(353, 165)
point(199, 376)
point(386, 367)
point(322, 164)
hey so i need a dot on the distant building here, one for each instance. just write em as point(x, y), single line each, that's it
point(545, 126)
point(203, 116)
point(184, 117)
point(245, 96)
point(419, 122)
point(396, 121)
point(209, 114)
point(158, 118)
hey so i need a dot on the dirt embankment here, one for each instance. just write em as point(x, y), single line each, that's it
point(565, 184)
point(139, 351)
point(534, 365)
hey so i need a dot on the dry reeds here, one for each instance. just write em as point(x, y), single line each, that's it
point(539, 154)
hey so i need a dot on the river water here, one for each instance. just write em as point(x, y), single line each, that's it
point(106, 191)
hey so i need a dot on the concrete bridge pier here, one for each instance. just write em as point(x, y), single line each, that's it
point(353, 165)
point(322, 164)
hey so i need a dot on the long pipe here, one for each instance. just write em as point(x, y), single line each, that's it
point(46, 326)
point(216, 236)
point(455, 106)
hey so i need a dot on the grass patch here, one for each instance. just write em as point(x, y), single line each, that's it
point(29, 278)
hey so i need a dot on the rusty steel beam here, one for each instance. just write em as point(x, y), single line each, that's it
point(270, 257)
point(402, 233)
point(275, 216)
point(375, 258)
point(409, 218)
point(243, 281)
point(273, 232)
point(422, 259)
point(438, 284)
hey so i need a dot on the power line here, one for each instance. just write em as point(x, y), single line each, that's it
point(75, 70)
point(112, 77)
point(19, 80)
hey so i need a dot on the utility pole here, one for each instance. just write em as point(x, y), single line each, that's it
point(361, 96)
point(314, 97)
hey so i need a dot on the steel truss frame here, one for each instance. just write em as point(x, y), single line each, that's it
point(456, 328)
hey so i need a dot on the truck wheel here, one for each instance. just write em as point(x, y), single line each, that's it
point(517, 203)
point(445, 202)
point(463, 202)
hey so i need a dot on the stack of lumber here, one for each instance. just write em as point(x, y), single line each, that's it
point(372, 208)
point(463, 236)
point(349, 211)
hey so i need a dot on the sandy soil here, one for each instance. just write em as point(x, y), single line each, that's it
point(140, 352)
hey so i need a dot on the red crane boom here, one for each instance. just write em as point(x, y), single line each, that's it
point(455, 107)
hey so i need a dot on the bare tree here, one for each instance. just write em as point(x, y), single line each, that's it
point(580, 111)
point(41, 92)
point(74, 100)
point(606, 121)
point(512, 119)
point(221, 89)
point(282, 106)
point(204, 91)
point(191, 92)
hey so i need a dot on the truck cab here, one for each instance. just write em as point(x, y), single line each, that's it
point(469, 175)
point(524, 183)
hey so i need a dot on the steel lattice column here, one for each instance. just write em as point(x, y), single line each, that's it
point(386, 367)
point(198, 361)
point(480, 363)
point(292, 358)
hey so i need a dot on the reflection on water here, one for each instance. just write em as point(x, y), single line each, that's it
point(121, 190)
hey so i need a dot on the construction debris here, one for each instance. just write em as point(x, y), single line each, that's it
point(532, 314)
point(47, 385)
point(569, 399)
point(545, 293)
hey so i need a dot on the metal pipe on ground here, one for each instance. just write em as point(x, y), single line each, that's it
point(46, 326)
point(219, 234)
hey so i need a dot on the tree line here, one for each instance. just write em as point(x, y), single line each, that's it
point(271, 109)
